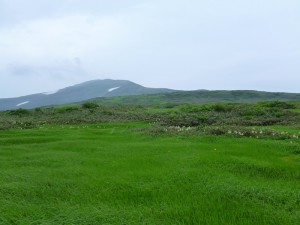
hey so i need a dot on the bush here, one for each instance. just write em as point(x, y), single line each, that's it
point(222, 107)
point(253, 111)
point(90, 105)
point(38, 110)
point(278, 104)
point(67, 109)
point(19, 112)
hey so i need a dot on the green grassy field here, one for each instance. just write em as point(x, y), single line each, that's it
point(115, 174)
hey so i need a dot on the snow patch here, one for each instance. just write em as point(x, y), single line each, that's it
point(23, 103)
point(112, 89)
point(50, 92)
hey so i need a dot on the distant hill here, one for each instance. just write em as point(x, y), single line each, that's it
point(201, 96)
point(80, 92)
point(123, 92)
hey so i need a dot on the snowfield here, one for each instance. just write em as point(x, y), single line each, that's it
point(23, 103)
point(112, 89)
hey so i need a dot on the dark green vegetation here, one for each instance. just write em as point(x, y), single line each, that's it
point(211, 164)
point(237, 114)
point(202, 96)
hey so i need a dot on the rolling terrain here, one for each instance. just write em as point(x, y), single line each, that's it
point(122, 92)
point(152, 159)
point(210, 164)
point(80, 92)
point(201, 96)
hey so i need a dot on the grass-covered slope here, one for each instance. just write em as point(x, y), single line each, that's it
point(202, 96)
point(111, 174)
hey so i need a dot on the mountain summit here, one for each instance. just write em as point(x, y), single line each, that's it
point(80, 92)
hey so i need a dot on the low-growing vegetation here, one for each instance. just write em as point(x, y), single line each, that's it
point(259, 114)
point(208, 164)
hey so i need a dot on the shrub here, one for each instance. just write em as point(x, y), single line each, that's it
point(90, 105)
point(38, 110)
point(67, 109)
point(253, 111)
point(19, 112)
point(222, 107)
point(278, 104)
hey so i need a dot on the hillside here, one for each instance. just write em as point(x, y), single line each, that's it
point(80, 92)
point(202, 96)
point(123, 92)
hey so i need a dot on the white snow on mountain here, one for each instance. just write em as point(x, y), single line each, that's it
point(112, 89)
point(50, 92)
point(23, 103)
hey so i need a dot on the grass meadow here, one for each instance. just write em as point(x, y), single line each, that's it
point(111, 173)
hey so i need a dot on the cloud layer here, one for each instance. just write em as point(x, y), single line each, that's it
point(191, 44)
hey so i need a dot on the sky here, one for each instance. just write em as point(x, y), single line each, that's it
point(46, 45)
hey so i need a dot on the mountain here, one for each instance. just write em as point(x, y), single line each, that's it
point(111, 92)
point(80, 92)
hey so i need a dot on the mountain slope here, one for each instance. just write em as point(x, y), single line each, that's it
point(80, 92)
point(111, 92)
point(201, 96)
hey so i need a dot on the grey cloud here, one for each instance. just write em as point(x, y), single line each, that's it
point(61, 70)
point(161, 43)
point(20, 70)
point(18, 11)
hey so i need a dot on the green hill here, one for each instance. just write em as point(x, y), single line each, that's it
point(202, 96)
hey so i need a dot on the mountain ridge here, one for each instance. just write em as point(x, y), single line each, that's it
point(110, 91)
point(79, 92)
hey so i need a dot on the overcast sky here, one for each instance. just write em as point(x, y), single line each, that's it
point(193, 44)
